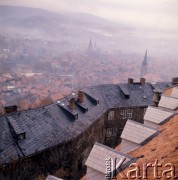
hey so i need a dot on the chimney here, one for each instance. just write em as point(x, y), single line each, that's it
point(156, 97)
point(81, 96)
point(130, 80)
point(10, 109)
point(72, 103)
point(142, 81)
point(175, 80)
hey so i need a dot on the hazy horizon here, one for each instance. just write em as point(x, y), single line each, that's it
point(158, 14)
point(52, 54)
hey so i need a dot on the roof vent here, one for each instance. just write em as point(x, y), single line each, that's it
point(71, 114)
point(80, 102)
point(81, 96)
point(175, 80)
point(125, 91)
point(142, 81)
point(130, 80)
point(17, 132)
point(94, 100)
point(153, 83)
point(82, 106)
point(10, 109)
point(58, 102)
point(72, 103)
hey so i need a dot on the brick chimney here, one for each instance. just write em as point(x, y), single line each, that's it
point(10, 109)
point(156, 97)
point(142, 81)
point(175, 80)
point(81, 96)
point(72, 103)
point(130, 80)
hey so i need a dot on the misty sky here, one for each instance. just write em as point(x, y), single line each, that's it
point(151, 13)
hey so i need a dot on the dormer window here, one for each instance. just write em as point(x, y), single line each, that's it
point(16, 130)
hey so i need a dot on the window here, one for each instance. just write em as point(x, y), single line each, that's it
point(129, 113)
point(111, 115)
point(108, 132)
point(111, 132)
point(126, 114)
point(123, 114)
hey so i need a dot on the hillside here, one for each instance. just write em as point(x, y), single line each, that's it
point(75, 29)
point(26, 20)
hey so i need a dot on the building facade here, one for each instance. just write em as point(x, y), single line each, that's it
point(58, 138)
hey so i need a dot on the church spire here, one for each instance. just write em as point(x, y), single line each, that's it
point(145, 59)
point(90, 46)
point(144, 66)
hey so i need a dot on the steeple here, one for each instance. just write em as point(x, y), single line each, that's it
point(90, 46)
point(145, 59)
point(144, 66)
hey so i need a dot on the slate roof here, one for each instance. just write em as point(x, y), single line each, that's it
point(168, 102)
point(175, 92)
point(48, 126)
point(137, 132)
point(100, 154)
point(157, 115)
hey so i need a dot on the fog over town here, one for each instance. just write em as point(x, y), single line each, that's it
point(50, 48)
point(88, 89)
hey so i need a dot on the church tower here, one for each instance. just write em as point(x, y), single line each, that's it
point(90, 46)
point(144, 66)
